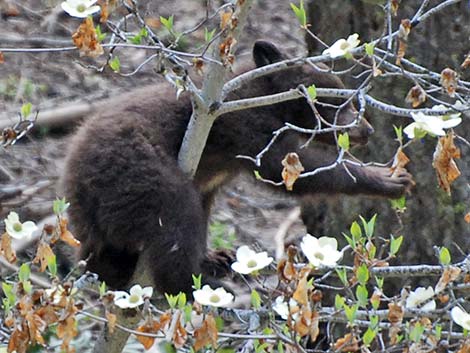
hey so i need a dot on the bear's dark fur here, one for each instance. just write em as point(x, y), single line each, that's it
point(128, 195)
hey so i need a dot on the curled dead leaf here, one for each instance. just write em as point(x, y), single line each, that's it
point(44, 254)
point(65, 234)
point(450, 274)
point(6, 248)
point(225, 19)
point(399, 162)
point(444, 163)
point(85, 39)
point(395, 6)
point(395, 313)
point(292, 169)
point(467, 218)
point(347, 343)
point(206, 334)
point(301, 292)
point(416, 96)
point(286, 270)
point(403, 32)
point(449, 81)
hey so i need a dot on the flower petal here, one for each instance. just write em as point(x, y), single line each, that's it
point(328, 241)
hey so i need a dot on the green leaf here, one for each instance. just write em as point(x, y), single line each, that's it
point(27, 286)
point(438, 331)
point(398, 132)
point(343, 141)
point(181, 300)
point(255, 300)
point(208, 35)
point(379, 281)
point(280, 347)
point(399, 205)
point(350, 312)
point(197, 281)
point(312, 92)
point(395, 244)
point(369, 336)
point(416, 332)
point(369, 47)
point(300, 13)
point(167, 23)
point(343, 277)
point(26, 110)
point(350, 240)
point(172, 300)
point(444, 256)
point(362, 274)
point(137, 39)
point(59, 206)
point(257, 175)
point(356, 231)
point(100, 36)
point(102, 288)
point(371, 249)
point(362, 295)
point(52, 265)
point(339, 302)
point(9, 293)
point(374, 322)
point(369, 226)
point(24, 272)
point(115, 64)
point(143, 32)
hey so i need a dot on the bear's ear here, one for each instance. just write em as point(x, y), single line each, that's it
point(265, 53)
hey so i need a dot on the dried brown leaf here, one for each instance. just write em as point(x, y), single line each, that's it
point(399, 162)
point(292, 169)
point(450, 274)
point(206, 334)
point(395, 313)
point(347, 343)
point(467, 217)
point(85, 39)
point(449, 81)
point(6, 248)
point(43, 255)
point(65, 234)
point(444, 163)
point(416, 96)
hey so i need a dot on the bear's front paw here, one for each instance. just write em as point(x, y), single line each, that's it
point(391, 183)
point(217, 263)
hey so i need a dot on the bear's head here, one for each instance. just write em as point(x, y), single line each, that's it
point(298, 112)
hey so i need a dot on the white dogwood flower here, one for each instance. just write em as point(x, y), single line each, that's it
point(322, 251)
point(19, 230)
point(213, 297)
point(80, 8)
point(432, 124)
point(134, 298)
point(343, 46)
point(460, 317)
point(249, 261)
point(420, 296)
point(282, 308)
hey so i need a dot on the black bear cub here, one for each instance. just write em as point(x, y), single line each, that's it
point(131, 204)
